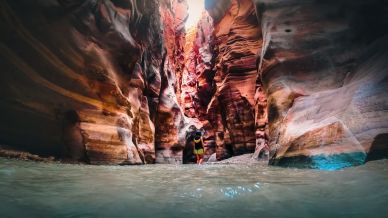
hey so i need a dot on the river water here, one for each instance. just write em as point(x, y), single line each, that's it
point(30, 189)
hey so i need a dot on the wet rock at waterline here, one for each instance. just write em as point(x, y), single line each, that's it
point(121, 82)
point(325, 72)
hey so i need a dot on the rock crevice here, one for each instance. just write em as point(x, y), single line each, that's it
point(123, 81)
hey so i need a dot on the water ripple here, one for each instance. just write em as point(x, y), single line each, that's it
point(58, 190)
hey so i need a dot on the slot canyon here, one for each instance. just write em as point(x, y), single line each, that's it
point(125, 82)
point(194, 108)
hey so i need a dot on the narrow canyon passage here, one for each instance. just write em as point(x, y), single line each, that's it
point(218, 84)
point(298, 83)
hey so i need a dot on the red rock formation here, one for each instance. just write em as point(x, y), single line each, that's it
point(120, 81)
point(239, 98)
point(106, 91)
point(197, 82)
point(220, 85)
point(303, 53)
point(171, 123)
point(98, 91)
point(197, 87)
point(324, 69)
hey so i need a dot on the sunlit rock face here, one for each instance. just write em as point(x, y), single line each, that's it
point(237, 110)
point(323, 72)
point(324, 67)
point(171, 122)
point(87, 79)
point(197, 87)
point(121, 81)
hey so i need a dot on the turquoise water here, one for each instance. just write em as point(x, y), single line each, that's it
point(30, 189)
point(324, 162)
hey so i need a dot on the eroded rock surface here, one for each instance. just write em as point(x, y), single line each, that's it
point(171, 122)
point(237, 110)
point(324, 68)
point(90, 79)
point(321, 64)
point(197, 86)
point(121, 81)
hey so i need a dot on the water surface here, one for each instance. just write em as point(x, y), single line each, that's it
point(30, 189)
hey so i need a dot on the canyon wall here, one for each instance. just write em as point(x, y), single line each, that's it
point(221, 86)
point(197, 87)
point(78, 78)
point(324, 69)
point(123, 82)
point(237, 110)
point(91, 80)
point(171, 123)
point(321, 66)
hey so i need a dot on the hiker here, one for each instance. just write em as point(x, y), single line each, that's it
point(199, 150)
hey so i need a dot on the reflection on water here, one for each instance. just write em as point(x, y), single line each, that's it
point(30, 189)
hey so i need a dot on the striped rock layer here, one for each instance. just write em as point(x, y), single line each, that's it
point(123, 82)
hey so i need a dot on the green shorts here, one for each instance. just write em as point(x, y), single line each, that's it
point(199, 151)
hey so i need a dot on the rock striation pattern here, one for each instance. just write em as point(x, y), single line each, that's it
point(237, 110)
point(171, 123)
point(197, 87)
point(324, 70)
point(301, 56)
point(88, 92)
point(123, 82)
point(91, 80)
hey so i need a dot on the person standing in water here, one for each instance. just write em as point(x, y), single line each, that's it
point(199, 150)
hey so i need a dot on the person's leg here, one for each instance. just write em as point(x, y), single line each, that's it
point(201, 159)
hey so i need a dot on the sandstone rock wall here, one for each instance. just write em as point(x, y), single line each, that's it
point(90, 79)
point(237, 110)
point(197, 86)
point(319, 63)
point(122, 81)
point(171, 122)
point(324, 69)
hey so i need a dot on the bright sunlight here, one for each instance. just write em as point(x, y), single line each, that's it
point(196, 7)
